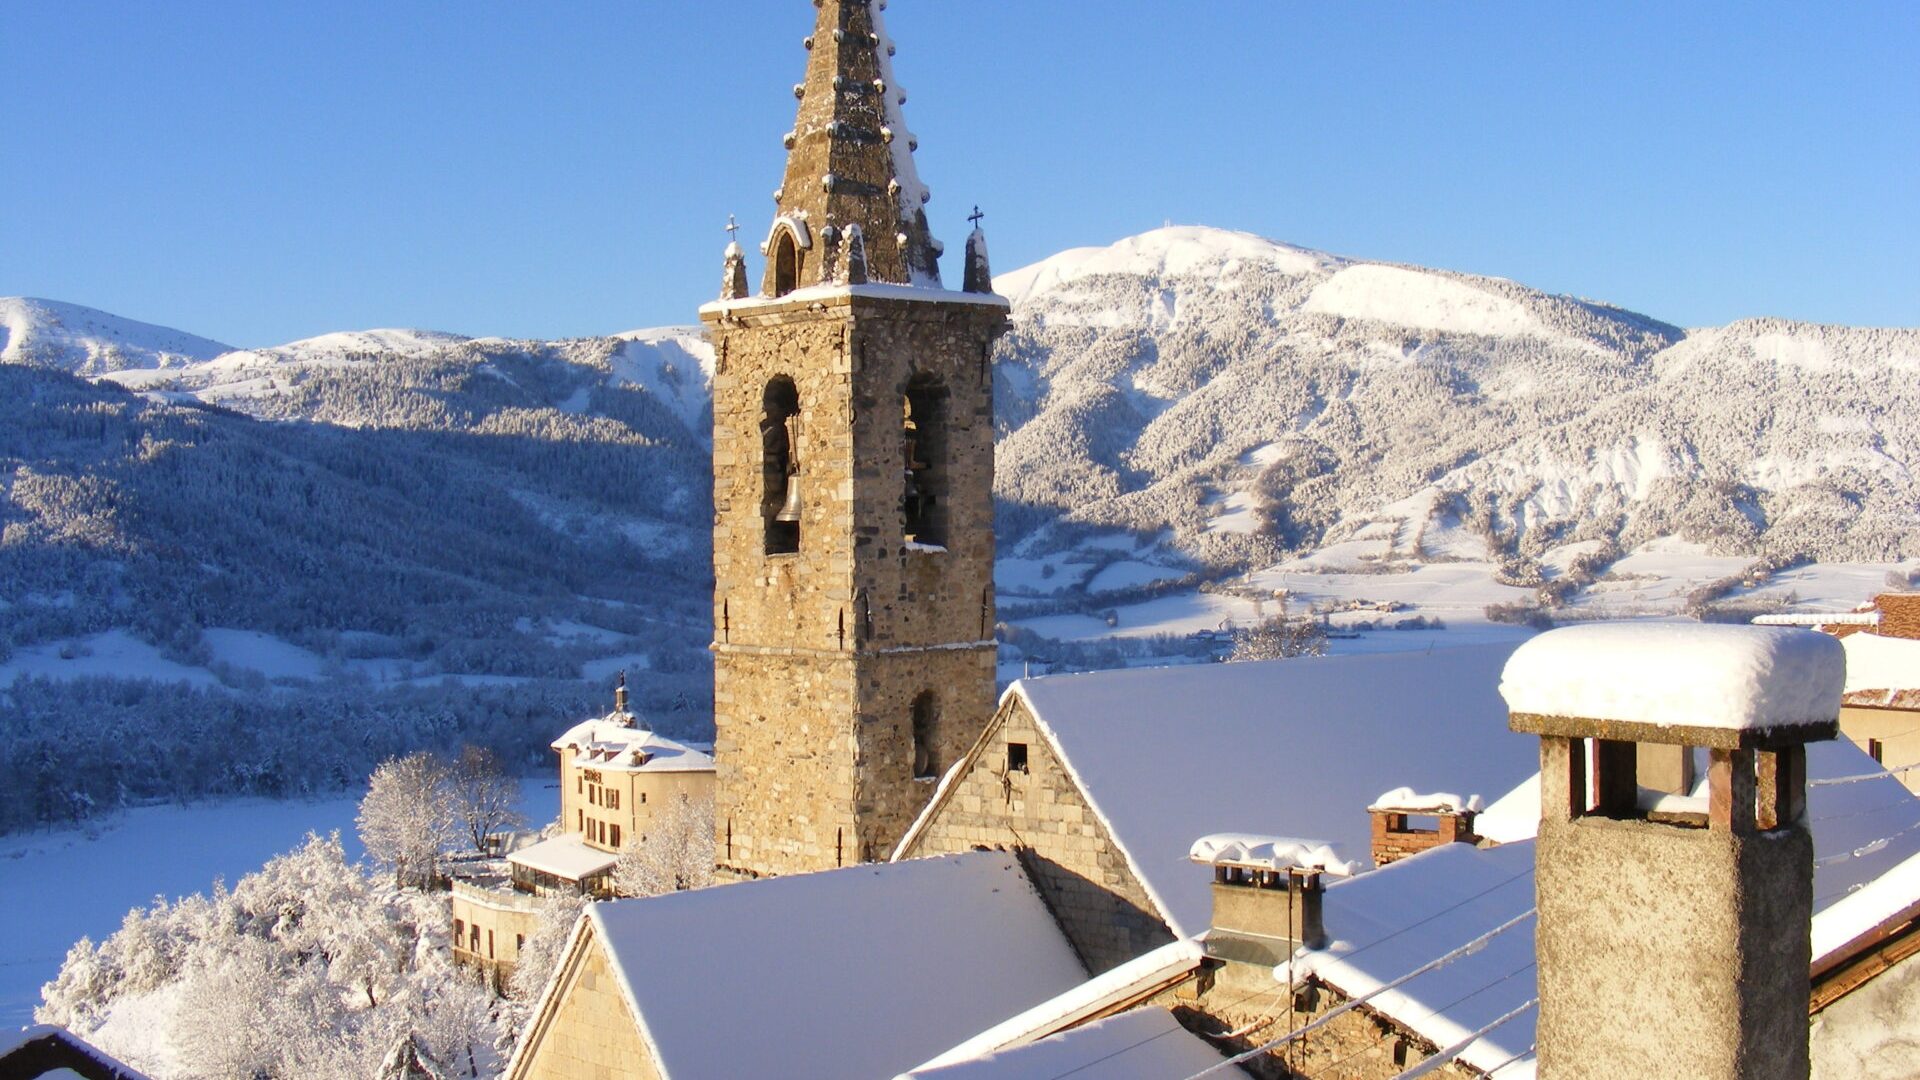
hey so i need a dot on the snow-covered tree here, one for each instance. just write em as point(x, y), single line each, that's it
point(485, 798)
point(1279, 638)
point(407, 818)
point(675, 853)
point(540, 954)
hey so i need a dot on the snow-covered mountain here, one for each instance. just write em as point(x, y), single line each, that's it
point(1227, 400)
point(48, 333)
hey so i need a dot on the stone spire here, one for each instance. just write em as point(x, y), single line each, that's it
point(850, 162)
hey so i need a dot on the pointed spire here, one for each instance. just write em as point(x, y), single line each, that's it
point(733, 277)
point(850, 163)
point(979, 275)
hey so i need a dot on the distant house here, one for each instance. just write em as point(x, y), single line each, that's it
point(617, 777)
point(53, 1051)
point(1880, 710)
point(1103, 781)
point(861, 972)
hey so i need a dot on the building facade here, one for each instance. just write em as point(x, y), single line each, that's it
point(853, 479)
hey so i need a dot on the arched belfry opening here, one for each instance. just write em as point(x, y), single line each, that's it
point(786, 262)
point(780, 466)
point(924, 449)
point(926, 734)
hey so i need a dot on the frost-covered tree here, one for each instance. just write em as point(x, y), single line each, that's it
point(407, 819)
point(1279, 638)
point(540, 954)
point(485, 798)
point(675, 853)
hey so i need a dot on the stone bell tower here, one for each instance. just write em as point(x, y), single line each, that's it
point(853, 480)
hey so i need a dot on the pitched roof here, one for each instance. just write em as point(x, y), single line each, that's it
point(1145, 1044)
point(1299, 747)
point(1866, 840)
point(51, 1050)
point(621, 742)
point(863, 971)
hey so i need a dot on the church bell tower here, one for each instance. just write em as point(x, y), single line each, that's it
point(852, 486)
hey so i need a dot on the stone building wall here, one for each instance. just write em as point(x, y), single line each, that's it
point(821, 653)
point(591, 1034)
point(1067, 850)
point(504, 920)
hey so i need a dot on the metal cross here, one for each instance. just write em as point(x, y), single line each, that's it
point(977, 215)
point(733, 227)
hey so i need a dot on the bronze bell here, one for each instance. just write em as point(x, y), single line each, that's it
point(790, 510)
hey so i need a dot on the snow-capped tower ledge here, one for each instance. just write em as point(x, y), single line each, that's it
point(850, 162)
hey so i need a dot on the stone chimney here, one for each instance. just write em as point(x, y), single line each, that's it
point(1674, 943)
point(1398, 830)
point(1266, 895)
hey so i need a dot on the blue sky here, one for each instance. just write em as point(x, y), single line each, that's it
point(261, 172)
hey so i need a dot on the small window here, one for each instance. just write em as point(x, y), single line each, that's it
point(1875, 749)
point(1016, 757)
point(489, 944)
point(613, 799)
point(473, 939)
point(580, 817)
point(780, 494)
point(786, 263)
point(579, 784)
point(459, 927)
point(519, 943)
point(615, 840)
point(926, 735)
point(924, 455)
point(643, 797)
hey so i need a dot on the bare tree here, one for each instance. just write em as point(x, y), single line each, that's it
point(407, 818)
point(675, 854)
point(485, 798)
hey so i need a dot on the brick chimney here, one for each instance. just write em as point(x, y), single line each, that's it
point(1674, 943)
point(1400, 824)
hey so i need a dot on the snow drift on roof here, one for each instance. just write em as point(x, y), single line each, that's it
point(864, 971)
point(1145, 1044)
point(1881, 663)
point(1298, 747)
point(1268, 853)
point(1730, 677)
point(564, 857)
point(619, 742)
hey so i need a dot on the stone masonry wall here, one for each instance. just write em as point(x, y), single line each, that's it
point(820, 653)
point(1067, 850)
point(592, 1036)
point(1394, 838)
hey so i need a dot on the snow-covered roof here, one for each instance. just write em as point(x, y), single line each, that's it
point(1881, 663)
point(1831, 618)
point(1405, 800)
point(863, 971)
point(565, 856)
point(1300, 746)
point(40, 1044)
point(1268, 853)
point(1736, 678)
point(1145, 1044)
point(1132, 981)
point(1866, 840)
point(620, 742)
point(1384, 924)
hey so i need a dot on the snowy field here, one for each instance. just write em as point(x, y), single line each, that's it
point(56, 887)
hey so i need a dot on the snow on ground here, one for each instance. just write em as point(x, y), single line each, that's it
point(1240, 513)
point(1455, 592)
point(79, 338)
point(113, 654)
point(1038, 577)
point(1827, 586)
point(264, 653)
point(675, 364)
point(56, 887)
point(1419, 299)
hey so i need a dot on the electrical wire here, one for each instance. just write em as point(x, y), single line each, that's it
point(1454, 1051)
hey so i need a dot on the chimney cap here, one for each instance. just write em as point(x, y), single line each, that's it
point(1724, 687)
point(1258, 852)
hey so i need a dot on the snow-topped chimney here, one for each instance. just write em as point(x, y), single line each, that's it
point(1399, 823)
point(1673, 933)
point(1266, 895)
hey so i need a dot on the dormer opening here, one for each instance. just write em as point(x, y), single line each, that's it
point(780, 492)
point(786, 263)
point(924, 448)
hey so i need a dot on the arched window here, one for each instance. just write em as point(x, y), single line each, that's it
point(786, 263)
point(924, 448)
point(926, 734)
point(780, 466)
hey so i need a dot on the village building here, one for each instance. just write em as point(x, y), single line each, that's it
point(618, 779)
point(1880, 711)
point(52, 1051)
point(859, 972)
point(853, 486)
point(1103, 781)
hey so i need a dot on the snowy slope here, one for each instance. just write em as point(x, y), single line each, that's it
point(1213, 401)
point(49, 333)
